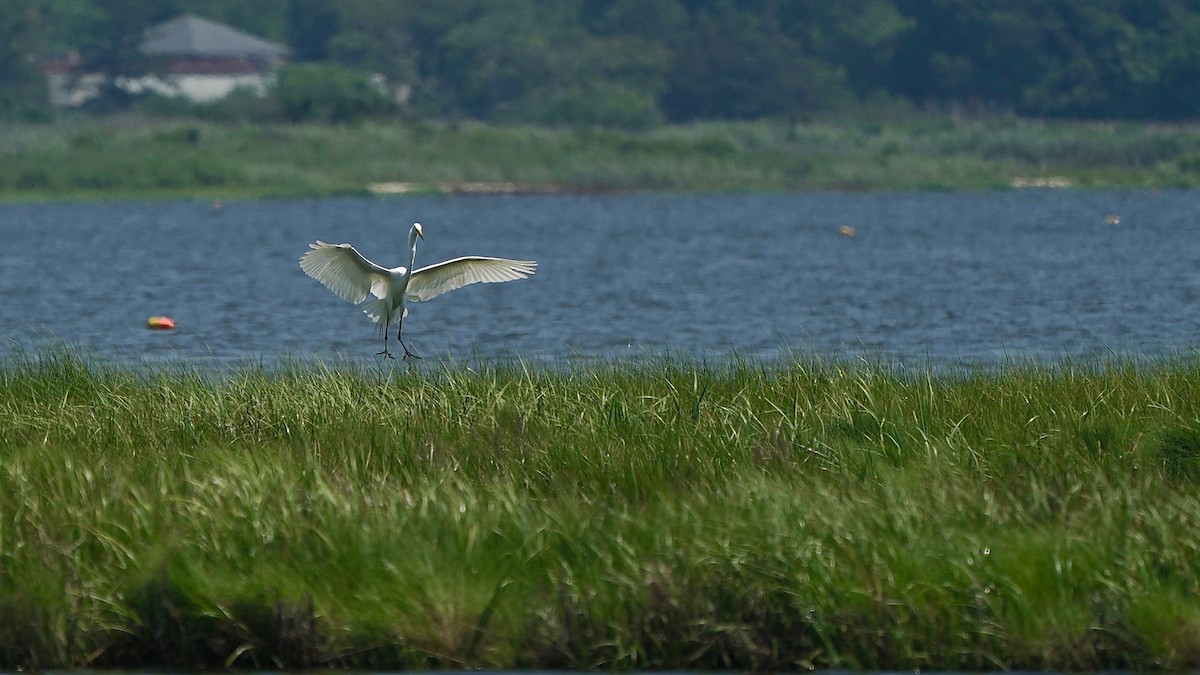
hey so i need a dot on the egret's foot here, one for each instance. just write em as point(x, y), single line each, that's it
point(386, 354)
point(408, 354)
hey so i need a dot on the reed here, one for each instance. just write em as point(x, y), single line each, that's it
point(132, 156)
point(654, 514)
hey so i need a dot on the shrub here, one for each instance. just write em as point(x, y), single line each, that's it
point(328, 93)
point(24, 97)
point(243, 104)
point(603, 105)
point(1189, 163)
point(33, 179)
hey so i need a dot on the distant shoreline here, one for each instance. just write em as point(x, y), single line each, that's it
point(135, 157)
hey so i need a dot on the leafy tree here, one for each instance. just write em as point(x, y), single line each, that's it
point(312, 24)
point(1174, 93)
point(270, 19)
point(633, 62)
point(654, 20)
point(22, 89)
point(734, 63)
point(377, 36)
point(1102, 58)
point(964, 51)
point(505, 59)
point(1124, 59)
point(110, 43)
point(858, 37)
point(402, 40)
point(62, 23)
point(328, 93)
point(510, 52)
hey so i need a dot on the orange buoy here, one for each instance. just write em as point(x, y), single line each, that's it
point(160, 323)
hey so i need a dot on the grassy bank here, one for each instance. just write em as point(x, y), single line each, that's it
point(655, 515)
point(147, 157)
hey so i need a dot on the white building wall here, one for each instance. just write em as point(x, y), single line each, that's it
point(70, 91)
point(197, 88)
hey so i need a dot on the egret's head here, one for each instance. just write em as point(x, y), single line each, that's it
point(417, 232)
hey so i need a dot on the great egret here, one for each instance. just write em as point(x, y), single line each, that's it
point(352, 277)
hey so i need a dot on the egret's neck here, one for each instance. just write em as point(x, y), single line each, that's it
point(412, 250)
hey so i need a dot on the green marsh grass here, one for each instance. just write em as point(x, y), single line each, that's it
point(137, 156)
point(657, 514)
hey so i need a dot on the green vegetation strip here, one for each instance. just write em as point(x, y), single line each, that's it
point(660, 514)
point(142, 157)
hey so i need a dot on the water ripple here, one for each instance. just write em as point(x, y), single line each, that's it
point(954, 278)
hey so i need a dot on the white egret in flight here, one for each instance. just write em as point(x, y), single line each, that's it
point(352, 277)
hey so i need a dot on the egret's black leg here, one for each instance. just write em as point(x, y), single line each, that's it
point(399, 328)
point(385, 352)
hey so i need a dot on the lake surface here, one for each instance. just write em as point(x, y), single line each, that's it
point(947, 278)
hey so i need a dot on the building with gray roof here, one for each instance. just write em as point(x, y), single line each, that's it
point(195, 58)
point(190, 36)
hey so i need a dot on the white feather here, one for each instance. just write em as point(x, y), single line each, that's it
point(429, 282)
point(352, 277)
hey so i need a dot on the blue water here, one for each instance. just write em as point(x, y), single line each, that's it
point(928, 277)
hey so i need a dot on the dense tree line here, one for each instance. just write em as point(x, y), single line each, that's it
point(639, 62)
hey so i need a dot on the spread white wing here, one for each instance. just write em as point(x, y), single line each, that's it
point(345, 271)
point(430, 282)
